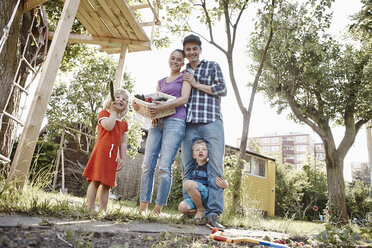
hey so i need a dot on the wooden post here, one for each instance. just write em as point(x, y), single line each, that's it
point(26, 146)
point(61, 144)
point(120, 69)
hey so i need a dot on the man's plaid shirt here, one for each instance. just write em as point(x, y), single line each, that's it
point(203, 107)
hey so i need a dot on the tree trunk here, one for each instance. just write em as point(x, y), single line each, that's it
point(336, 188)
point(9, 60)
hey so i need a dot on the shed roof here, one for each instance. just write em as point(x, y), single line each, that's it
point(112, 23)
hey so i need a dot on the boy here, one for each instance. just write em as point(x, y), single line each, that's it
point(197, 188)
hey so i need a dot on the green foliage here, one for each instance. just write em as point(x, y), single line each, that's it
point(297, 191)
point(42, 165)
point(73, 52)
point(176, 195)
point(347, 236)
point(358, 201)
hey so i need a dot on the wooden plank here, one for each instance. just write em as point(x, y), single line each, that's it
point(132, 20)
point(109, 19)
point(140, 6)
point(30, 134)
point(122, 32)
point(120, 69)
point(131, 49)
point(103, 41)
point(154, 12)
point(86, 24)
point(123, 20)
point(94, 18)
point(30, 4)
point(87, 21)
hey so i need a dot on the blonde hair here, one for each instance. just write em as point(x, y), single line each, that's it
point(199, 142)
point(108, 101)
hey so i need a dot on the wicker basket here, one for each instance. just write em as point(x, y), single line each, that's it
point(144, 110)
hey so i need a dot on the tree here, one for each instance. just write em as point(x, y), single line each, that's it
point(209, 13)
point(320, 80)
point(10, 57)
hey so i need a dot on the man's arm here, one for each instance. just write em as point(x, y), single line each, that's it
point(218, 88)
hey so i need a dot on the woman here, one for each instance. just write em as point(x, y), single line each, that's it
point(165, 135)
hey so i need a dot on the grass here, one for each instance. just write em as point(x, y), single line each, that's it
point(34, 201)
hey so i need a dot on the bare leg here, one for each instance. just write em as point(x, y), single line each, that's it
point(91, 193)
point(192, 189)
point(103, 198)
point(143, 207)
point(157, 209)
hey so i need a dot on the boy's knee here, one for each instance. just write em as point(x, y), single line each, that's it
point(189, 184)
point(183, 207)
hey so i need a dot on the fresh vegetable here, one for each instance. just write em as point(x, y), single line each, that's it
point(112, 92)
point(148, 99)
point(161, 99)
point(141, 97)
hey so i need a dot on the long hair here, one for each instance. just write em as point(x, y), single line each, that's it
point(108, 101)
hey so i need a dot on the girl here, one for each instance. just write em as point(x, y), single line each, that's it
point(109, 152)
point(165, 135)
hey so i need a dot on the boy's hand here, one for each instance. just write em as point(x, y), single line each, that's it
point(120, 164)
point(222, 183)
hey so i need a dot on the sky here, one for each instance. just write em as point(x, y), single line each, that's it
point(150, 66)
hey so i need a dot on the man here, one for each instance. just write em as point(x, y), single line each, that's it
point(204, 121)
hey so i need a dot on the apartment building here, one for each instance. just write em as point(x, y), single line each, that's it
point(293, 148)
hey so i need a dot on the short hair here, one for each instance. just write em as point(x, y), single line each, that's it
point(107, 102)
point(198, 142)
point(192, 38)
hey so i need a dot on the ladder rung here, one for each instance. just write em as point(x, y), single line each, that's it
point(13, 118)
point(28, 64)
point(5, 159)
point(21, 88)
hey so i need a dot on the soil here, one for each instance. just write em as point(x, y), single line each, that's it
point(25, 231)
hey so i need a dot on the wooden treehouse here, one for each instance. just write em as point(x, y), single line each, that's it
point(112, 25)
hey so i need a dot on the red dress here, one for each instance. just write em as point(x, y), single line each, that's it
point(106, 152)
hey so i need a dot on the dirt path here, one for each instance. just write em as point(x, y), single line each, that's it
point(25, 231)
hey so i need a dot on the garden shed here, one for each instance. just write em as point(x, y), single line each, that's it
point(259, 181)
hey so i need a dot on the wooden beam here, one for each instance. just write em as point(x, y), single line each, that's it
point(102, 41)
point(140, 6)
point(30, 4)
point(30, 134)
point(120, 69)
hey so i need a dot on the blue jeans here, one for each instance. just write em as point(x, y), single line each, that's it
point(165, 137)
point(213, 134)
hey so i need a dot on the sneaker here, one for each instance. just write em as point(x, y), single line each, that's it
point(214, 221)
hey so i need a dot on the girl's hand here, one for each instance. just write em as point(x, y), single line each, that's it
point(120, 164)
point(222, 183)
